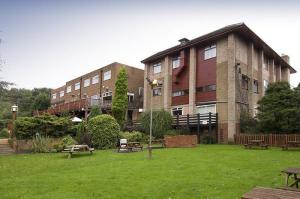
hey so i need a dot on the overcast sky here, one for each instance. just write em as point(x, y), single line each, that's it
point(46, 43)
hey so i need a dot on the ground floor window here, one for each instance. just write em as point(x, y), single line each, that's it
point(177, 111)
point(207, 108)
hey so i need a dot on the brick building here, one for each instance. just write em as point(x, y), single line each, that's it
point(97, 88)
point(221, 72)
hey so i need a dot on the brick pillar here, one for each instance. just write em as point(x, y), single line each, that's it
point(231, 106)
point(285, 76)
point(278, 73)
point(272, 70)
point(192, 81)
point(167, 85)
point(147, 90)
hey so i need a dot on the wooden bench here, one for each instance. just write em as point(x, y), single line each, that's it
point(291, 144)
point(270, 193)
point(294, 174)
point(77, 149)
point(256, 143)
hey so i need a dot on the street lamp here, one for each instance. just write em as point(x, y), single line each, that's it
point(14, 110)
point(152, 83)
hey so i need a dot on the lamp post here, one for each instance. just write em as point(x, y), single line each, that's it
point(14, 110)
point(152, 83)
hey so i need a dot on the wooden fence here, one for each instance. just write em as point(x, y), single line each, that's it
point(270, 139)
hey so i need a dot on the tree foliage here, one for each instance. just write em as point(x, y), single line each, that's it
point(162, 122)
point(120, 100)
point(279, 109)
point(95, 111)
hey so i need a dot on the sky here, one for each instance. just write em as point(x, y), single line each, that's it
point(46, 43)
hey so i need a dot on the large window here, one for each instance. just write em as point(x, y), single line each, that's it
point(156, 68)
point(54, 96)
point(210, 52)
point(61, 93)
point(107, 75)
point(255, 86)
point(86, 82)
point(175, 62)
point(177, 111)
point(245, 82)
point(204, 109)
point(95, 79)
point(157, 92)
point(69, 89)
point(77, 86)
point(266, 83)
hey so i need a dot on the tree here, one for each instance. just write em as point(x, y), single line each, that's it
point(41, 101)
point(95, 111)
point(279, 109)
point(120, 100)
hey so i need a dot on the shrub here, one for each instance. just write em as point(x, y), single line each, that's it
point(95, 111)
point(66, 141)
point(4, 133)
point(40, 144)
point(104, 131)
point(162, 122)
point(207, 139)
point(82, 136)
point(134, 136)
point(248, 124)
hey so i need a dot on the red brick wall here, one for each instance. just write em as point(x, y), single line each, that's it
point(181, 141)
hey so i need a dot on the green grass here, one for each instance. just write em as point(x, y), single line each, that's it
point(208, 171)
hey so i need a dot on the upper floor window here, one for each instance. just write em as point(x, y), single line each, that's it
point(77, 86)
point(177, 111)
point(69, 89)
point(207, 88)
point(157, 92)
point(210, 52)
point(266, 63)
point(156, 68)
point(95, 79)
point(266, 83)
point(178, 93)
point(130, 97)
point(175, 62)
point(204, 109)
point(86, 82)
point(61, 93)
point(245, 82)
point(255, 86)
point(107, 75)
point(54, 96)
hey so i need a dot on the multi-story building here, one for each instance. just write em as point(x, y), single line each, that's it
point(97, 88)
point(221, 72)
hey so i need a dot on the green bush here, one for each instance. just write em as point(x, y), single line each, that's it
point(65, 141)
point(82, 136)
point(104, 131)
point(134, 136)
point(40, 144)
point(162, 122)
point(4, 133)
point(46, 125)
point(95, 111)
point(248, 124)
point(207, 139)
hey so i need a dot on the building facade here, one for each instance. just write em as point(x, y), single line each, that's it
point(97, 88)
point(221, 72)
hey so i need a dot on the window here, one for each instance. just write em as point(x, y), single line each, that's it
point(107, 95)
point(86, 82)
point(175, 62)
point(130, 97)
point(207, 88)
point(157, 92)
point(255, 86)
point(156, 68)
point(266, 83)
point(177, 111)
point(245, 82)
point(54, 96)
point(179, 93)
point(107, 75)
point(61, 93)
point(69, 89)
point(204, 109)
point(95, 100)
point(95, 79)
point(266, 63)
point(77, 86)
point(210, 52)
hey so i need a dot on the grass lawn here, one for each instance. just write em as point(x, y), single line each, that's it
point(208, 171)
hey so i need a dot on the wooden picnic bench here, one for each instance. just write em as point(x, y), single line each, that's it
point(256, 143)
point(77, 149)
point(292, 173)
point(270, 193)
point(291, 144)
point(130, 147)
point(135, 145)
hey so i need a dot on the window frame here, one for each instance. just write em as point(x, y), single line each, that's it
point(255, 86)
point(158, 93)
point(77, 86)
point(177, 109)
point(54, 96)
point(61, 93)
point(106, 74)
point(177, 61)
point(245, 80)
point(95, 79)
point(156, 65)
point(69, 89)
point(86, 82)
point(207, 105)
point(210, 52)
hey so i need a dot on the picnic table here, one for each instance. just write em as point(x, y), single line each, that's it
point(256, 143)
point(270, 193)
point(135, 145)
point(77, 149)
point(130, 147)
point(293, 174)
point(288, 144)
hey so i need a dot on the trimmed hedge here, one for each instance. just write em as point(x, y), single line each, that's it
point(104, 131)
point(134, 136)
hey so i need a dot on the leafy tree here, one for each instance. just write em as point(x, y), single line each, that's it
point(279, 109)
point(95, 111)
point(248, 124)
point(162, 122)
point(120, 100)
point(41, 101)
